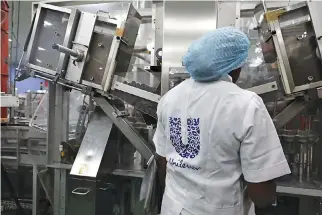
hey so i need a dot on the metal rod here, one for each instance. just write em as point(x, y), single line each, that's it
point(264, 5)
point(301, 163)
point(309, 161)
point(65, 50)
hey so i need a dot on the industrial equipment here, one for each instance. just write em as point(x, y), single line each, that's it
point(106, 79)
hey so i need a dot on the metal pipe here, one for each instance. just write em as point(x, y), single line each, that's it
point(301, 163)
point(65, 50)
point(78, 55)
point(141, 57)
point(264, 5)
point(59, 82)
point(309, 161)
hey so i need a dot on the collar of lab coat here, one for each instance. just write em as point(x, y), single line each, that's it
point(227, 78)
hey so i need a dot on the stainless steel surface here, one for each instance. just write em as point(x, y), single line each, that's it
point(9, 100)
point(289, 113)
point(308, 86)
point(74, 53)
point(284, 64)
point(58, 121)
point(91, 151)
point(295, 21)
point(81, 43)
point(184, 21)
point(264, 88)
point(157, 29)
point(69, 37)
point(314, 9)
point(309, 162)
point(22, 145)
point(59, 191)
point(99, 50)
point(300, 45)
point(35, 191)
point(319, 92)
point(51, 22)
point(121, 51)
point(129, 173)
point(303, 162)
point(226, 13)
point(136, 91)
point(138, 142)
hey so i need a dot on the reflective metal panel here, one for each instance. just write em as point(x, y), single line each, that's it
point(300, 43)
point(51, 25)
point(184, 21)
point(145, 36)
point(98, 52)
point(92, 149)
point(81, 43)
point(315, 12)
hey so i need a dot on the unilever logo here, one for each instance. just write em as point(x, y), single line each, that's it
point(192, 148)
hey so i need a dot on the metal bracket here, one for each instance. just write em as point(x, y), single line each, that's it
point(55, 79)
point(289, 113)
point(87, 90)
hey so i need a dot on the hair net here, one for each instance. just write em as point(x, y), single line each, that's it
point(216, 53)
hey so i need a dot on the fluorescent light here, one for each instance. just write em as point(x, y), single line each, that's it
point(10, 40)
point(41, 49)
point(38, 60)
point(46, 23)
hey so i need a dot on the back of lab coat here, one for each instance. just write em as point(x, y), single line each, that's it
point(212, 134)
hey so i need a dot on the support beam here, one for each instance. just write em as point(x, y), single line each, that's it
point(289, 113)
point(138, 142)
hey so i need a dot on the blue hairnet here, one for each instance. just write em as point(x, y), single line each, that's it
point(216, 53)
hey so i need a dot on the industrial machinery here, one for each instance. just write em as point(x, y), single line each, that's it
point(108, 69)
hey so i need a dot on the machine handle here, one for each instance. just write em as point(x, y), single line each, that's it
point(81, 191)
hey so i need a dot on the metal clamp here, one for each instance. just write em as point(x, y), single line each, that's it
point(81, 191)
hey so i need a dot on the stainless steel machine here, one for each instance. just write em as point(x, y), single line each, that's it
point(118, 59)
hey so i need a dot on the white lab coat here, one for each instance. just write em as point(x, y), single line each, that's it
point(211, 134)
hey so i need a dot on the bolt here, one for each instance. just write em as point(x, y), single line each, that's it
point(91, 78)
point(100, 45)
point(310, 78)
